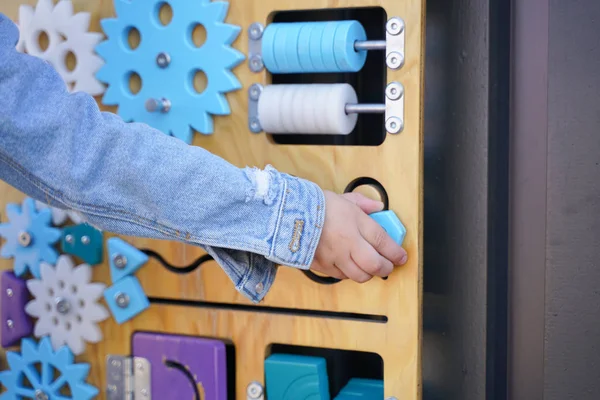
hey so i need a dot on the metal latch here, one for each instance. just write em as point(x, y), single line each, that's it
point(127, 378)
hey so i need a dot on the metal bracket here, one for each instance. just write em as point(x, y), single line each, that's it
point(394, 43)
point(255, 33)
point(394, 108)
point(127, 378)
point(254, 93)
point(255, 391)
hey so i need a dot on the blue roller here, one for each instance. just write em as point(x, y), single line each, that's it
point(309, 47)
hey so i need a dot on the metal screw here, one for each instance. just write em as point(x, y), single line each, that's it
point(24, 239)
point(10, 323)
point(254, 390)
point(256, 63)
point(85, 240)
point(255, 90)
point(122, 299)
point(394, 60)
point(139, 366)
point(62, 305)
point(255, 125)
point(144, 392)
point(39, 395)
point(394, 91)
point(255, 31)
point(153, 105)
point(69, 239)
point(394, 26)
point(9, 292)
point(393, 125)
point(112, 388)
point(163, 60)
point(120, 261)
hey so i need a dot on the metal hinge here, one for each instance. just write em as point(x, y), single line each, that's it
point(127, 378)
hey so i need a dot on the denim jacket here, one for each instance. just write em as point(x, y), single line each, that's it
point(131, 179)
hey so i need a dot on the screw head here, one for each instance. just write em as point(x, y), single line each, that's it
point(9, 292)
point(62, 305)
point(24, 239)
point(144, 392)
point(69, 239)
point(10, 323)
point(394, 125)
point(394, 26)
point(120, 261)
point(254, 390)
point(255, 31)
point(122, 299)
point(163, 60)
point(255, 125)
point(139, 366)
point(85, 240)
point(394, 91)
point(256, 63)
point(39, 395)
point(254, 91)
point(394, 60)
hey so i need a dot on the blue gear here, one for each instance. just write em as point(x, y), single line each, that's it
point(36, 225)
point(215, 58)
point(23, 366)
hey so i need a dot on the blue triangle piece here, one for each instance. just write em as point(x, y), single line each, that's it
point(123, 258)
point(392, 225)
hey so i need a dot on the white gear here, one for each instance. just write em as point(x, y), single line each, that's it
point(59, 216)
point(65, 305)
point(66, 32)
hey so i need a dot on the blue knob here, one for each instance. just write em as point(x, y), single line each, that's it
point(392, 225)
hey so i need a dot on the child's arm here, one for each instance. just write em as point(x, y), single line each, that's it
point(131, 179)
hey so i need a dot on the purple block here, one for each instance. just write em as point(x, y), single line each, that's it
point(205, 359)
point(16, 324)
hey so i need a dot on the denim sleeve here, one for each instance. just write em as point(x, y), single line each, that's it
point(131, 179)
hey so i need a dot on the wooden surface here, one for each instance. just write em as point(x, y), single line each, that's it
point(397, 164)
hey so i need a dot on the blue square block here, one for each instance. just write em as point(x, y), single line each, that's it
point(131, 296)
point(83, 241)
point(299, 377)
point(361, 389)
point(123, 258)
point(392, 225)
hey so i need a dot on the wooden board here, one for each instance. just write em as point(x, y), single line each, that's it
point(397, 164)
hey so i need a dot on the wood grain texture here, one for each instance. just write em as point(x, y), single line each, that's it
point(397, 164)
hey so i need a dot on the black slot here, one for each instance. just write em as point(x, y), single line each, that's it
point(369, 83)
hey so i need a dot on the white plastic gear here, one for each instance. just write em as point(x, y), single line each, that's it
point(59, 216)
point(65, 304)
point(66, 32)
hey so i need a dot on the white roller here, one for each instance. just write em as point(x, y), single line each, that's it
point(307, 109)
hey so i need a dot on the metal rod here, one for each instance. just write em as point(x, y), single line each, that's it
point(369, 45)
point(365, 108)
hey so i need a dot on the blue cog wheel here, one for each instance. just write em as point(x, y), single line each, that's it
point(173, 82)
point(23, 380)
point(29, 237)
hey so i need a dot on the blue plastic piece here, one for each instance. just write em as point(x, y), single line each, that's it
point(295, 377)
point(131, 256)
point(29, 237)
point(136, 299)
point(346, 58)
point(361, 389)
point(84, 241)
point(308, 47)
point(174, 81)
point(70, 375)
point(392, 225)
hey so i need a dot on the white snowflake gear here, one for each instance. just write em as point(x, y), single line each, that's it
point(66, 32)
point(59, 216)
point(65, 303)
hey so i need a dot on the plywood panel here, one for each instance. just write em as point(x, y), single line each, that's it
point(397, 164)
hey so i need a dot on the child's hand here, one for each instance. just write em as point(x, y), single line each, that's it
point(352, 244)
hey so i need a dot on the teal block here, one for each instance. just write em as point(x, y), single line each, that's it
point(136, 299)
point(295, 377)
point(123, 258)
point(392, 225)
point(83, 241)
point(363, 389)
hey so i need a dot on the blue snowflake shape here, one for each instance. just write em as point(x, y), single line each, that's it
point(29, 237)
point(173, 82)
point(38, 384)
